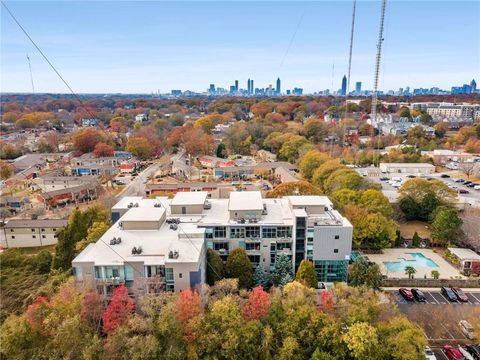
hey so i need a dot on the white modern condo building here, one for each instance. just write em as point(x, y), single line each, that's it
point(160, 244)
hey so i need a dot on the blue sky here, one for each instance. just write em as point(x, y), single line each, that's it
point(140, 47)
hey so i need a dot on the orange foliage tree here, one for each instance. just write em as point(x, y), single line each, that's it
point(118, 311)
point(257, 305)
point(85, 139)
point(102, 149)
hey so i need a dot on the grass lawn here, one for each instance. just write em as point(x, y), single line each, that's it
point(408, 228)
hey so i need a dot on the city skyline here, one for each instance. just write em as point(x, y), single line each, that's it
point(197, 43)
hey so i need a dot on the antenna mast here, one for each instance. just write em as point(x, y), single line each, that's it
point(31, 76)
point(373, 113)
point(351, 46)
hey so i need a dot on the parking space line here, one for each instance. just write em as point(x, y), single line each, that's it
point(430, 298)
point(442, 299)
point(473, 295)
point(448, 331)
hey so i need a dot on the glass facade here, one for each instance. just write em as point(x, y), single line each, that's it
point(252, 231)
point(331, 270)
point(300, 235)
point(269, 232)
point(237, 233)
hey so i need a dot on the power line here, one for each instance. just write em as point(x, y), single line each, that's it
point(46, 58)
point(31, 76)
point(351, 45)
point(292, 38)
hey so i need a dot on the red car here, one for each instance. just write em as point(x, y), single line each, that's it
point(452, 353)
point(406, 294)
point(460, 294)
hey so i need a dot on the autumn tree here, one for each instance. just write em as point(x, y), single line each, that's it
point(102, 149)
point(363, 274)
point(362, 341)
point(306, 274)
point(290, 149)
point(94, 232)
point(92, 309)
point(86, 139)
point(311, 161)
point(188, 305)
point(342, 178)
point(293, 188)
point(257, 304)
point(118, 311)
point(326, 300)
point(239, 266)
point(6, 170)
point(324, 171)
point(139, 147)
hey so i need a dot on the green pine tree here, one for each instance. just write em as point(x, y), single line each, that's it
point(214, 267)
point(260, 278)
point(283, 273)
point(415, 239)
point(306, 274)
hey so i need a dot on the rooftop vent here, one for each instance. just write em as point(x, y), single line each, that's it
point(173, 226)
point(136, 205)
point(115, 241)
point(207, 205)
point(136, 250)
point(157, 205)
point(173, 254)
point(130, 205)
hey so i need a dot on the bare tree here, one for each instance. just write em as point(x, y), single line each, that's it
point(468, 168)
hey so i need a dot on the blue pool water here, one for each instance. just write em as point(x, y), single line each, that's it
point(419, 261)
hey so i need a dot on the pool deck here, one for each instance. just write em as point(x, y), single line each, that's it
point(446, 270)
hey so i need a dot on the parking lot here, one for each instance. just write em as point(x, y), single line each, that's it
point(439, 317)
point(436, 298)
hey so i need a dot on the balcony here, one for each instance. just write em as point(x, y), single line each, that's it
point(222, 251)
point(110, 281)
point(284, 240)
point(253, 240)
point(157, 279)
point(284, 252)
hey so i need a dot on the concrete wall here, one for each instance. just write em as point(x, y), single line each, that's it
point(324, 242)
point(141, 225)
point(25, 237)
point(190, 209)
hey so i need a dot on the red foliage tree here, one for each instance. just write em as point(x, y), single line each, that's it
point(92, 308)
point(257, 305)
point(118, 311)
point(188, 305)
point(102, 149)
point(37, 312)
point(85, 139)
point(326, 301)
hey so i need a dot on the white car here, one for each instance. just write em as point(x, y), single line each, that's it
point(465, 353)
point(429, 355)
point(477, 187)
point(467, 329)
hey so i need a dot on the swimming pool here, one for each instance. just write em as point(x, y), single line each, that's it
point(419, 260)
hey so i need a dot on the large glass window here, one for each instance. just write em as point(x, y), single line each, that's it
point(128, 273)
point(154, 270)
point(209, 233)
point(237, 232)
point(220, 232)
point(283, 246)
point(284, 232)
point(254, 259)
point(252, 231)
point(77, 272)
point(114, 272)
point(98, 272)
point(220, 246)
point(269, 232)
point(252, 246)
point(169, 275)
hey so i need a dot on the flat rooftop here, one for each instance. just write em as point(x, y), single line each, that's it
point(464, 254)
point(245, 200)
point(309, 200)
point(125, 202)
point(143, 214)
point(189, 198)
point(407, 165)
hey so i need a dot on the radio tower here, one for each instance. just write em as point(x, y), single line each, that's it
point(351, 46)
point(373, 113)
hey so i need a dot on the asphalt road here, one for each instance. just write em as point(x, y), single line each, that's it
point(136, 187)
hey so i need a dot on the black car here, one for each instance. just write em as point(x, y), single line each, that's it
point(384, 179)
point(467, 182)
point(418, 295)
point(449, 294)
point(471, 185)
point(445, 176)
point(474, 350)
point(411, 176)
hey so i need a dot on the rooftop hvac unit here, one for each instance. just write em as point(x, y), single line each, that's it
point(136, 204)
point(130, 205)
point(157, 205)
point(173, 254)
point(136, 250)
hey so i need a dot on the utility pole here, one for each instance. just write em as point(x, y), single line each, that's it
point(351, 46)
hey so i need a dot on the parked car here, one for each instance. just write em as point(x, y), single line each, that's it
point(467, 329)
point(477, 187)
point(453, 353)
point(429, 355)
point(467, 182)
point(449, 294)
point(474, 350)
point(460, 294)
point(463, 191)
point(411, 176)
point(465, 353)
point(445, 176)
point(418, 295)
point(384, 178)
point(406, 294)
point(471, 185)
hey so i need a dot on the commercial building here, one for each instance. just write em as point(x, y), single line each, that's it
point(407, 168)
point(31, 233)
point(344, 86)
point(147, 252)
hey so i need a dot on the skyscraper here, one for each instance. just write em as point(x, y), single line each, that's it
point(236, 85)
point(278, 89)
point(251, 87)
point(211, 90)
point(248, 86)
point(473, 86)
point(344, 86)
point(358, 87)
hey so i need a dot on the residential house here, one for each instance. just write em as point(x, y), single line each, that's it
point(31, 233)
